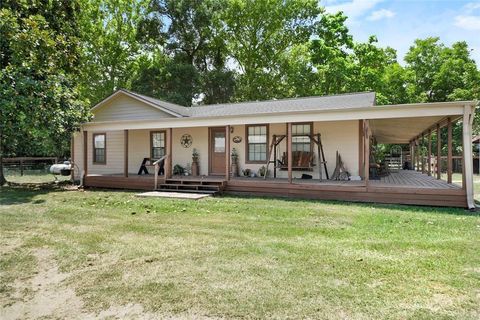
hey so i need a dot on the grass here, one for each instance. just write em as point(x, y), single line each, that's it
point(235, 257)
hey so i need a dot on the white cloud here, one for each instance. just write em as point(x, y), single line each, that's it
point(353, 8)
point(381, 14)
point(472, 6)
point(468, 22)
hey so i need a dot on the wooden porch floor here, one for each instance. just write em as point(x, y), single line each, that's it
point(402, 179)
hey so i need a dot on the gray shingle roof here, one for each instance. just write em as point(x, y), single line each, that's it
point(333, 102)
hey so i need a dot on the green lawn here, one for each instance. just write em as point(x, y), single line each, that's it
point(232, 257)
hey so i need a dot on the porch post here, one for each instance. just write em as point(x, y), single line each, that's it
point(417, 154)
point(125, 156)
point(85, 149)
point(412, 154)
point(361, 149)
point(168, 159)
point(429, 157)
point(439, 152)
point(289, 151)
point(423, 157)
point(366, 152)
point(227, 152)
point(467, 155)
point(449, 147)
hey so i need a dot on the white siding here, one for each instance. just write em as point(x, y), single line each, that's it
point(115, 152)
point(183, 156)
point(138, 148)
point(123, 107)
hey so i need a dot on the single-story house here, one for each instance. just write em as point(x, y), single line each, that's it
point(313, 147)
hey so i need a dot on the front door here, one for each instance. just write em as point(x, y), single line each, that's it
point(217, 151)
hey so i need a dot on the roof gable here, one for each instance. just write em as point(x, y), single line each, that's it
point(121, 106)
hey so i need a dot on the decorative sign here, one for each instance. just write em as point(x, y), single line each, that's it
point(237, 139)
point(186, 140)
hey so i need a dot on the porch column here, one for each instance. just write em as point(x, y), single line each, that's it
point(423, 156)
point(439, 152)
point(366, 152)
point(168, 159)
point(227, 152)
point(289, 151)
point(467, 155)
point(361, 149)
point(429, 157)
point(449, 148)
point(412, 154)
point(85, 149)
point(417, 154)
point(125, 156)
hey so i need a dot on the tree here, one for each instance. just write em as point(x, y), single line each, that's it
point(40, 105)
point(259, 34)
point(331, 54)
point(111, 45)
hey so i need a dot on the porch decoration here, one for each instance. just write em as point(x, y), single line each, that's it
point(195, 158)
point(246, 172)
point(237, 139)
point(178, 170)
point(263, 171)
point(340, 173)
point(234, 168)
point(186, 140)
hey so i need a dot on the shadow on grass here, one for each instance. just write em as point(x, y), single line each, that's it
point(397, 207)
point(16, 193)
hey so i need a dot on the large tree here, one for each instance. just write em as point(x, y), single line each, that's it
point(40, 105)
point(260, 34)
point(110, 45)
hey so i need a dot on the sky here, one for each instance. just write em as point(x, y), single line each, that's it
point(397, 23)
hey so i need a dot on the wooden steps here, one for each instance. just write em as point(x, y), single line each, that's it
point(192, 185)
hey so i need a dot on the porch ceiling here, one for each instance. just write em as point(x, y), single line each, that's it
point(401, 130)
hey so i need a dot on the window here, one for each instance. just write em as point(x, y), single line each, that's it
point(257, 140)
point(300, 139)
point(99, 148)
point(157, 143)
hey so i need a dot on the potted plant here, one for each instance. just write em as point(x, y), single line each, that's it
point(246, 172)
point(195, 158)
point(178, 170)
point(263, 172)
point(234, 167)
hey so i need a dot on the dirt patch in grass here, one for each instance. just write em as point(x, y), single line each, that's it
point(47, 295)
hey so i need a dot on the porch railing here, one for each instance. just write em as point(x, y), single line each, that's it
point(157, 166)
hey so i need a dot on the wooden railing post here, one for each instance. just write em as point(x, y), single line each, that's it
point(429, 156)
point(227, 153)
point(289, 151)
point(439, 152)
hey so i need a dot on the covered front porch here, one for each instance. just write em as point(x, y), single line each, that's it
point(352, 139)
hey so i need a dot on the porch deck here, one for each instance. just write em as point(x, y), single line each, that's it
point(404, 187)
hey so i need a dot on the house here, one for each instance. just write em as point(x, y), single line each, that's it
point(297, 139)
